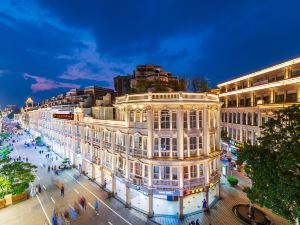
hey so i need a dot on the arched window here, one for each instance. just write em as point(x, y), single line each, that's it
point(165, 119)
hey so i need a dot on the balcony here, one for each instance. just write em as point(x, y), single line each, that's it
point(138, 152)
point(165, 183)
point(120, 149)
point(214, 177)
point(194, 182)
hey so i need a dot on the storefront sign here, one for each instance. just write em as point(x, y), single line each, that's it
point(169, 193)
point(236, 144)
point(64, 116)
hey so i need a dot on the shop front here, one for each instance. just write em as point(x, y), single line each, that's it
point(165, 202)
point(107, 179)
point(97, 174)
point(139, 198)
point(120, 191)
point(192, 201)
point(88, 169)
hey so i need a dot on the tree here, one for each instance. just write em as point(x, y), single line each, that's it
point(274, 164)
point(200, 84)
point(15, 177)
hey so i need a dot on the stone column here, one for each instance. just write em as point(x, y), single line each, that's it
point(252, 99)
point(113, 184)
point(272, 100)
point(206, 147)
point(237, 101)
point(150, 133)
point(150, 204)
point(180, 207)
point(180, 133)
point(93, 171)
point(287, 73)
point(127, 194)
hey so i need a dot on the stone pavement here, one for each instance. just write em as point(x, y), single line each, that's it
point(221, 213)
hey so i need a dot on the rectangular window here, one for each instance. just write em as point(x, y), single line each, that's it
point(234, 117)
point(166, 173)
point(230, 117)
point(156, 120)
point(201, 170)
point(193, 171)
point(131, 116)
point(138, 116)
point(155, 144)
point(238, 121)
point(185, 143)
point(145, 143)
point(193, 143)
point(193, 119)
point(131, 167)
point(174, 144)
point(156, 172)
point(144, 116)
point(185, 122)
point(244, 118)
point(249, 119)
point(146, 171)
point(174, 120)
point(200, 119)
point(200, 142)
point(185, 172)
point(165, 144)
point(255, 119)
point(174, 173)
point(222, 117)
point(138, 169)
point(165, 119)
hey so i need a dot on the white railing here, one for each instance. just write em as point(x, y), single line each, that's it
point(182, 96)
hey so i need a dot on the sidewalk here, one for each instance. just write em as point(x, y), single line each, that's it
point(221, 213)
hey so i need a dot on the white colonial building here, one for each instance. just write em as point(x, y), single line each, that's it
point(157, 152)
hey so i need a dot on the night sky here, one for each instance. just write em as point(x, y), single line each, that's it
point(50, 46)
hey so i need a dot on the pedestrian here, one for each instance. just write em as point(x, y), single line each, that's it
point(96, 207)
point(36, 189)
point(197, 222)
point(62, 190)
point(54, 219)
point(60, 219)
point(204, 205)
point(40, 188)
point(49, 169)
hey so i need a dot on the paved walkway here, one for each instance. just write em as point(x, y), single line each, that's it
point(221, 213)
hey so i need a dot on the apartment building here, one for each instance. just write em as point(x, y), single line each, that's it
point(159, 154)
point(251, 99)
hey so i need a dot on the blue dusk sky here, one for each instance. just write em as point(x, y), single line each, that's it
point(50, 46)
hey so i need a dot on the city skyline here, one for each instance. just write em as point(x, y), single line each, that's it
point(48, 47)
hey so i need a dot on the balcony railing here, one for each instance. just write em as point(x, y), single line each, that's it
point(165, 183)
point(137, 152)
point(120, 149)
point(194, 182)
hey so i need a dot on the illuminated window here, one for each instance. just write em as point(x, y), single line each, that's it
point(193, 120)
point(156, 120)
point(144, 116)
point(165, 119)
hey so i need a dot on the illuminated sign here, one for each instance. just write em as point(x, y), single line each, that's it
point(64, 116)
point(169, 193)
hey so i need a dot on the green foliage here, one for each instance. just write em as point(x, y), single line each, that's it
point(200, 84)
point(274, 164)
point(15, 177)
point(4, 136)
point(232, 180)
point(5, 151)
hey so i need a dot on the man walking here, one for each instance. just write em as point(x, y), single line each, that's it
point(96, 207)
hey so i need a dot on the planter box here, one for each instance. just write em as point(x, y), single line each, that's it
point(2, 203)
point(8, 199)
point(19, 197)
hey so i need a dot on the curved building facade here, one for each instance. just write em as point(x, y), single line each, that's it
point(160, 154)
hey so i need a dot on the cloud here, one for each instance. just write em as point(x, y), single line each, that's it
point(3, 72)
point(44, 84)
point(90, 65)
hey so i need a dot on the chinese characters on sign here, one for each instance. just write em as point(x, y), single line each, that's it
point(64, 116)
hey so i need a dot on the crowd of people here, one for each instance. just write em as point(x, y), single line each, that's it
point(72, 212)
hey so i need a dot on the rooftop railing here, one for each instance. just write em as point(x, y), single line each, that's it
point(178, 96)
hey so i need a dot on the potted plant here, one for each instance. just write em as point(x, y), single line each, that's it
point(232, 180)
